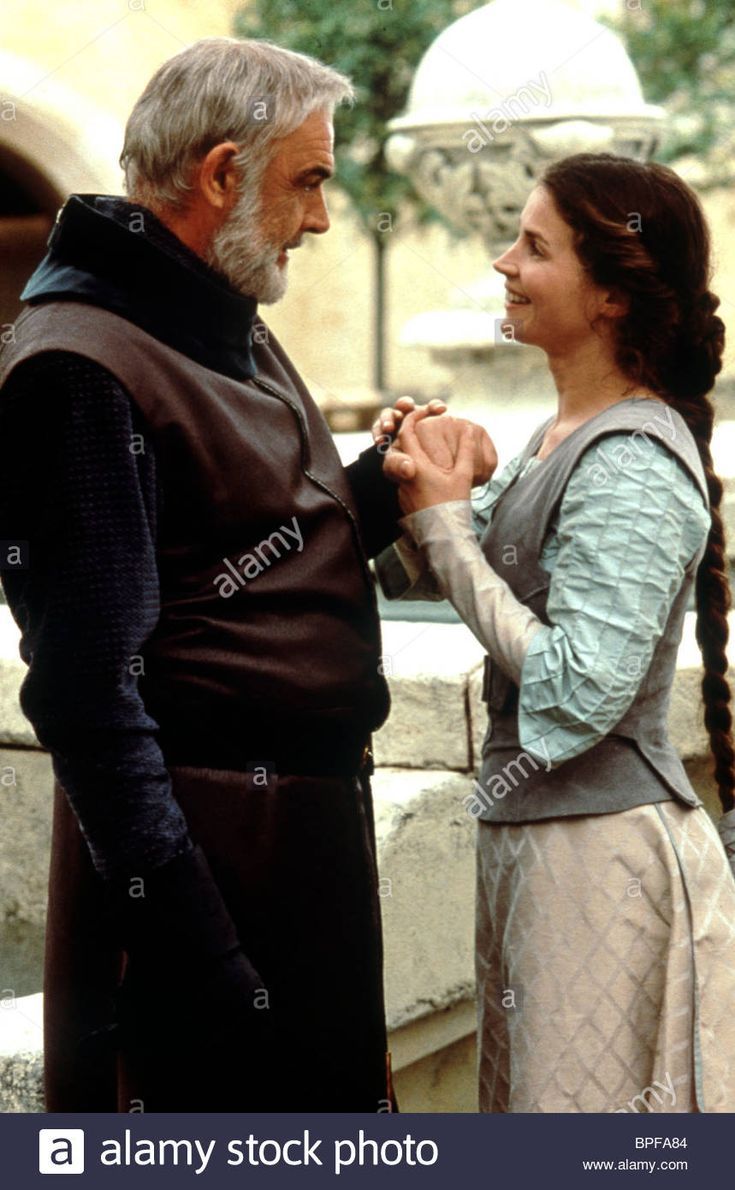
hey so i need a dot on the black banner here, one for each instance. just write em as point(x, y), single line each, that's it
point(429, 1151)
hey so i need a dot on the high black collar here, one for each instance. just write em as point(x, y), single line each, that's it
point(118, 255)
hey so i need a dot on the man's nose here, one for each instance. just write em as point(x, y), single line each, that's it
point(316, 219)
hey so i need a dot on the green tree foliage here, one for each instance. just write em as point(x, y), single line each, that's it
point(684, 52)
point(379, 44)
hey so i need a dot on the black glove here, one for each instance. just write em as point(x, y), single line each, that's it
point(187, 981)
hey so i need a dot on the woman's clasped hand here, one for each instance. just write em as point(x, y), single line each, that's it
point(434, 457)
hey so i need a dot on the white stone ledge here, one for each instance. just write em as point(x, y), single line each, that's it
point(21, 1047)
point(14, 727)
point(432, 1034)
point(428, 667)
point(426, 861)
point(21, 1053)
point(434, 672)
point(425, 837)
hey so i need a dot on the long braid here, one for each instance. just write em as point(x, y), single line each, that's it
point(713, 601)
point(640, 231)
point(713, 604)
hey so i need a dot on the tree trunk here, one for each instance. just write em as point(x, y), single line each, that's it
point(379, 249)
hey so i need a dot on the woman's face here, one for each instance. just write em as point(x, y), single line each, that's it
point(550, 299)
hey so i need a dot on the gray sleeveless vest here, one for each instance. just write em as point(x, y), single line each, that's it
point(636, 763)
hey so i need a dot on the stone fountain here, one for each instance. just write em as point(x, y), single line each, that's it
point(497, 96)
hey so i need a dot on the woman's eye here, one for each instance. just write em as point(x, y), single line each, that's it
point(534, 248)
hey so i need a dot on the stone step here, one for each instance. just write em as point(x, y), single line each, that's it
point(425, 754)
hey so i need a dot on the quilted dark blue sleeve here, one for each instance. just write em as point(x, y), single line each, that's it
point(79, 487)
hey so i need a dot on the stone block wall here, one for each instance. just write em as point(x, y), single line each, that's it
point(425, 757)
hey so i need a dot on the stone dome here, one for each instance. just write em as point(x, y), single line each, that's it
point(564, 64)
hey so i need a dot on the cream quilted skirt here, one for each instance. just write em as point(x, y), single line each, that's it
point(606, 964)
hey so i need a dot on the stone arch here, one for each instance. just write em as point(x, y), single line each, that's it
point(52, 144)
point(27, 203)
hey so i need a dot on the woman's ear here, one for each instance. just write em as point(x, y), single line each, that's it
point(615, 304)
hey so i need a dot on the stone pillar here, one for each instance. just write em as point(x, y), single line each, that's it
point(500, 94)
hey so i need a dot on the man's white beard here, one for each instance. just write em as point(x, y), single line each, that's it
point(243, 254)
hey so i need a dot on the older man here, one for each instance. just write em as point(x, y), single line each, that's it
point(199, 621)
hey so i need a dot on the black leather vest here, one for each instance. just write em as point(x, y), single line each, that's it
point(268, 633)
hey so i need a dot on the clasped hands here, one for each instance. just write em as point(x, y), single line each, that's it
point(433, 456)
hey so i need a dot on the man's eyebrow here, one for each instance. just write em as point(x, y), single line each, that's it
point(315, 171)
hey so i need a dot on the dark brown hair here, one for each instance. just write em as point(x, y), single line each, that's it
point(640, 231)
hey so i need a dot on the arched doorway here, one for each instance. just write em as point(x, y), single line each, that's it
point(52, 144)
point(28, 203)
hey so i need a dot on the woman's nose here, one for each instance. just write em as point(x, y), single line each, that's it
point(505, 264)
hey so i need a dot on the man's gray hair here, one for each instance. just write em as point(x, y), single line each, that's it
point(218, 89)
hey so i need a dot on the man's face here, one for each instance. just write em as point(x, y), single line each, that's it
point(251, 248)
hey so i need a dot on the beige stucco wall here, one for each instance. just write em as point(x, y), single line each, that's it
point(74, 69)
point(105, 50)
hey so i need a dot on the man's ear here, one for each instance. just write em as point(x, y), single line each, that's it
point(217, 176)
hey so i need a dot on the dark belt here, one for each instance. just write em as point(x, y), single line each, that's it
point(341, 756)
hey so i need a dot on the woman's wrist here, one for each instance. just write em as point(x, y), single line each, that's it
point(503, 624)
point(449, 518)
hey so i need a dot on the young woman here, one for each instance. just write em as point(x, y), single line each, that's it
point(605, 903)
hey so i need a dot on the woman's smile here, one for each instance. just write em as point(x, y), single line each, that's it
point(542, 270)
